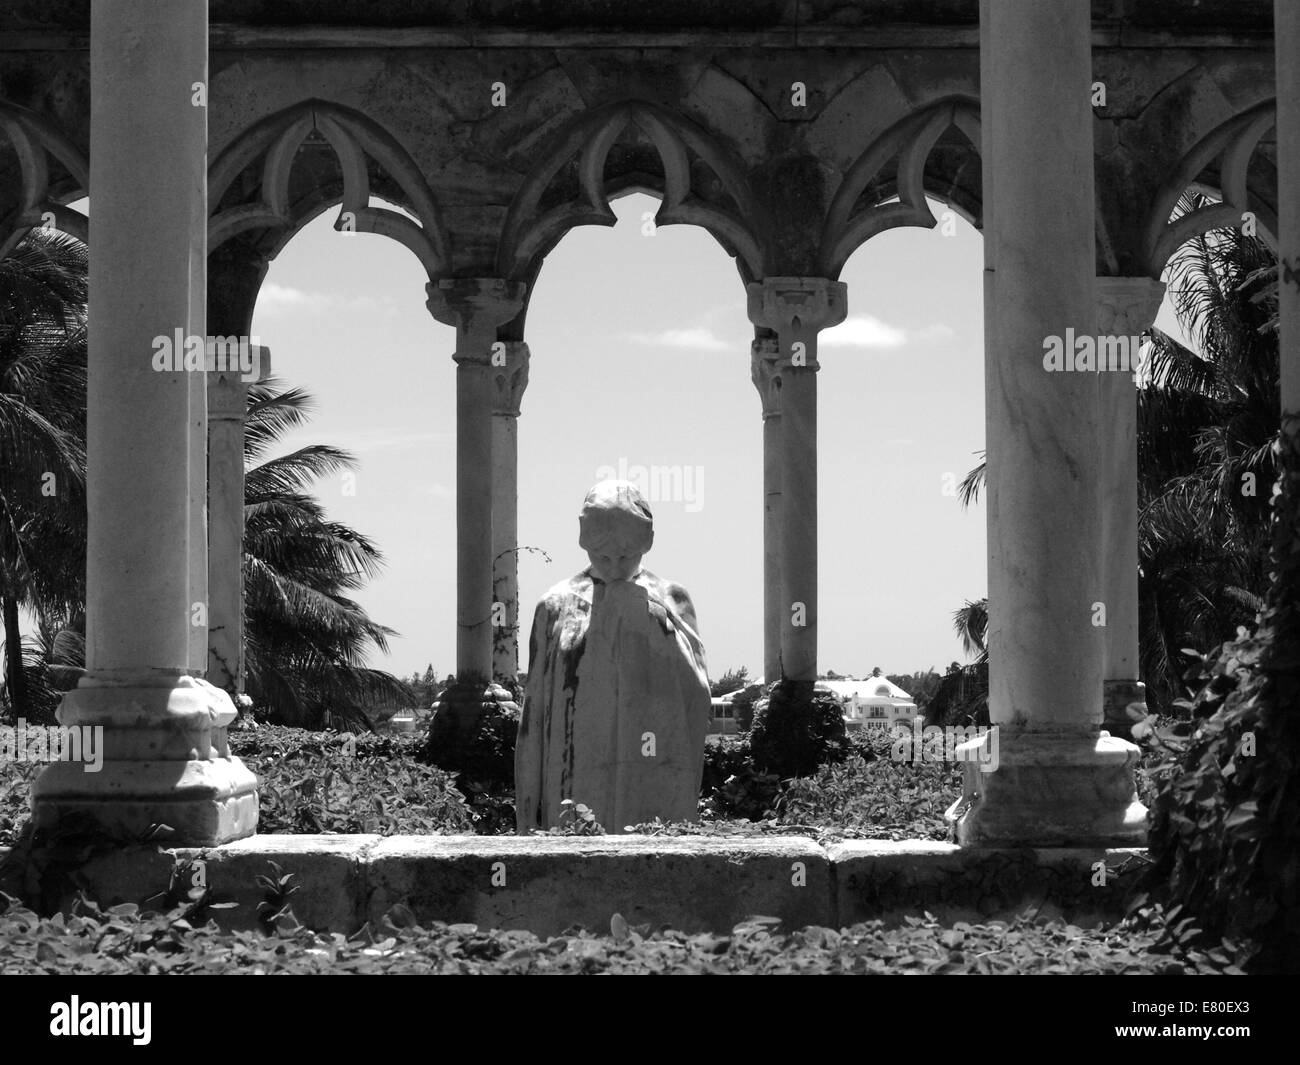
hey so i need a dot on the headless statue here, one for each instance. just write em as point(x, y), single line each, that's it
point(617, 704)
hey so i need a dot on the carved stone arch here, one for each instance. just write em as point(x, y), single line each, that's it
point(52, 170)
point(699, 182)
point(898, 163)
point(253, 185)
point(1222, 161)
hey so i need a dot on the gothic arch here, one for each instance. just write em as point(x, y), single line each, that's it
point(859, 209)
point(723, 204)
point(52, 170)
point(1229, 149)
point(365, 155)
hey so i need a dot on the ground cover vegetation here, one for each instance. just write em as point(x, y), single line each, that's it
point(124, 939)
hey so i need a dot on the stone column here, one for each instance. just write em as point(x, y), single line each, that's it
point(476, 307)
point(235, 275)
point(797, 309)
point(1126, 306)
point(763, 371)
point(227, 412)
point(163, 738)
point(509, 379)
point(1056, 779)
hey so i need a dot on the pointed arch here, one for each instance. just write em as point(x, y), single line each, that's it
point(530, 230)
point(356, 142)
point(38, 143)
point(1232, 145)
point(909, 142)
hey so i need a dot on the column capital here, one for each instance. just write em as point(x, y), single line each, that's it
point(509, 370)
point(765, 372)
point(228, 388)
point(789, 304)
point(475, 304)
point(1126, 306)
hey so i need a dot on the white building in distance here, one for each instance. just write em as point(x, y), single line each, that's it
point(875, 703)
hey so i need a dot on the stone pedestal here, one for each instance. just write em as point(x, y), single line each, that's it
point(166, 762)
point(509, 379)
point(1126, 307)
point(164, 744)
point(764, 354)
point(1051, 790)
point(1059, 777)
point(796, 309)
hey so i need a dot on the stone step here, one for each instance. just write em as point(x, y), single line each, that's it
point(690, 883)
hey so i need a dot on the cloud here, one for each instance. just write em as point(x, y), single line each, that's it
point(866, 331)
point(859, 331)
point(696, 338)
point(284, 299)
point(863, 331)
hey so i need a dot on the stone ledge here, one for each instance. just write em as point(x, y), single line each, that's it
point(888, 881)
point(691, 883)
point(330, 870)
point(547, 884)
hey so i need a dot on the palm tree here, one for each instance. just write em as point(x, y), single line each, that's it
point(305, 642)
point(962, 697)
point(1207, 425)
point(43, 284)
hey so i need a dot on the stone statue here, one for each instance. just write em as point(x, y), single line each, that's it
point(617, 704)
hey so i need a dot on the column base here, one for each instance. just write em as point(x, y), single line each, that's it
point(1117, 697)
point(1050, 790)
point(467, 732)
point(160, 757)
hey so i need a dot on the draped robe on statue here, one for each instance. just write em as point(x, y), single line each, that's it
point(616, 706)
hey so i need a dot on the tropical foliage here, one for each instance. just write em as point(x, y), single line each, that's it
point(43, 284)
point(962, 695)
point(1207, 423)
point(306, 640)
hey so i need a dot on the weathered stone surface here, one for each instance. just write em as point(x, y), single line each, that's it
point(1052, 790)
point(330, 872)
point(689, 883)
point(886, 880)
point(139, 875)
point(548, 883)
point(423, 74)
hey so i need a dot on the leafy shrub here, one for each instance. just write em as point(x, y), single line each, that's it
point(1226, 858)
point(15, 791)
point(796, 729)
point(1225, 821)
point(330, 782)
point(868, 795)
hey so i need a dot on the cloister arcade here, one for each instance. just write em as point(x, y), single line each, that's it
point(208, 134)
